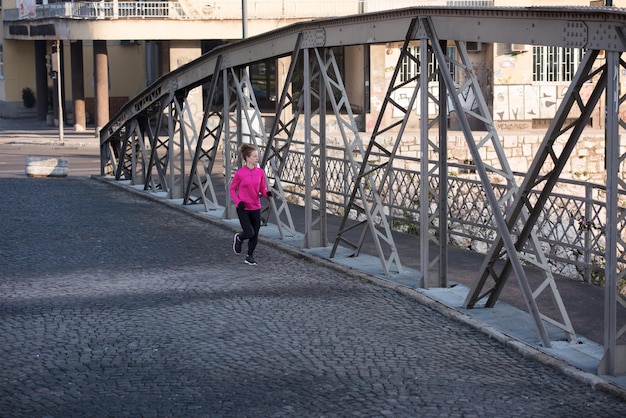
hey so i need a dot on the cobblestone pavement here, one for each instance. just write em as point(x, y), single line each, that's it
point(114, 305)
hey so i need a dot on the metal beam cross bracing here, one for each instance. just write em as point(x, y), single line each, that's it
point(135, 155)
point(365, 197)
point(480, 111)
point(284, 124)
point(198, 182)
point(250, 128)
point(116, 149)
point(544, 172)
point(150, 126)
point(206, 148)
point(142, 129)
point(384, 154)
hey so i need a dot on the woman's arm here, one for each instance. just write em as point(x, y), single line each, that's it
point(234, 185)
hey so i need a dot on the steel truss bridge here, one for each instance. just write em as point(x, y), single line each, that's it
point(157, 141)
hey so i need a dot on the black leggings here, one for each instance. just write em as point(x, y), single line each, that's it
point(250, 223)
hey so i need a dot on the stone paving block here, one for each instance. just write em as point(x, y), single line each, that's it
point(118, 306)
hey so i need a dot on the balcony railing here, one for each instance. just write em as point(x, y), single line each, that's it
point(225, 9)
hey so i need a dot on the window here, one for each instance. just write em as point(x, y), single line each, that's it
point(410, 68)
point(263, 78)
point(554, 64)
point(298, 80)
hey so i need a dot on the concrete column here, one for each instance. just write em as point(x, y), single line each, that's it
point(101, 82)
point(78, 85)
point(41, 79)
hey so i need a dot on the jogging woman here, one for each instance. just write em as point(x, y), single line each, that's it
point(246, 188)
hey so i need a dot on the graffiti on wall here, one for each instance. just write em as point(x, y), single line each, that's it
point(403, 98)
point(527, 102)
point(521, 102)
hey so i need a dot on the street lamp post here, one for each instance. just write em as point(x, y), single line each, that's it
point(244, 20)
point(56, 57)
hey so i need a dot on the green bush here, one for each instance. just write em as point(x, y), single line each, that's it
point(28, 97)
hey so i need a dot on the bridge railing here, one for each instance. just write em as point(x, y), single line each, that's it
point(571, 228)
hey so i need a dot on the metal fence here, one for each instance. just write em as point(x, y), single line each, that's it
point(570, 228)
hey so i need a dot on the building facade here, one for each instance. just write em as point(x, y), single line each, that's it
point(104, 53)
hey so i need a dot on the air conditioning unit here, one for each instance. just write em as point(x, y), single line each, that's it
point(473, 46)
point(517, 48)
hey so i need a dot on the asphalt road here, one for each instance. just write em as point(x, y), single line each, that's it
point(84, 160)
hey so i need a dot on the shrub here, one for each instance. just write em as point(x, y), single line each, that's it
point(28, 97)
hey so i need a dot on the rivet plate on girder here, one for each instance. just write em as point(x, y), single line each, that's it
point(575, 34)
point(607, 36)
point(313, 38)
point(225, 61)
point(419, 32)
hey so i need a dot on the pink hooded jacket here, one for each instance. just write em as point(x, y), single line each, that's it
point(247, 186)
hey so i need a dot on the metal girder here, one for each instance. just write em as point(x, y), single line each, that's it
point(205, 149)
point(594, 28)
point(548, 157)
point(300, 103)
point(150, 126)
point(251, 128)
point(114, 151)
point(109, 152)
point(433, 174)
point(176, 147)
point(314, 91)
point(125, 159)
point(284, 124)
point(614, 360)
point(281, 134)
point(230, 115)
point(385, 155)
point(156, 162)
point(198, 181)
point(365, 197)
point(136, 133)
point(522, 214)
point(133, 160)
point(492, 141)
point(442, 204)
point(135, 156)
point(424, 189)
